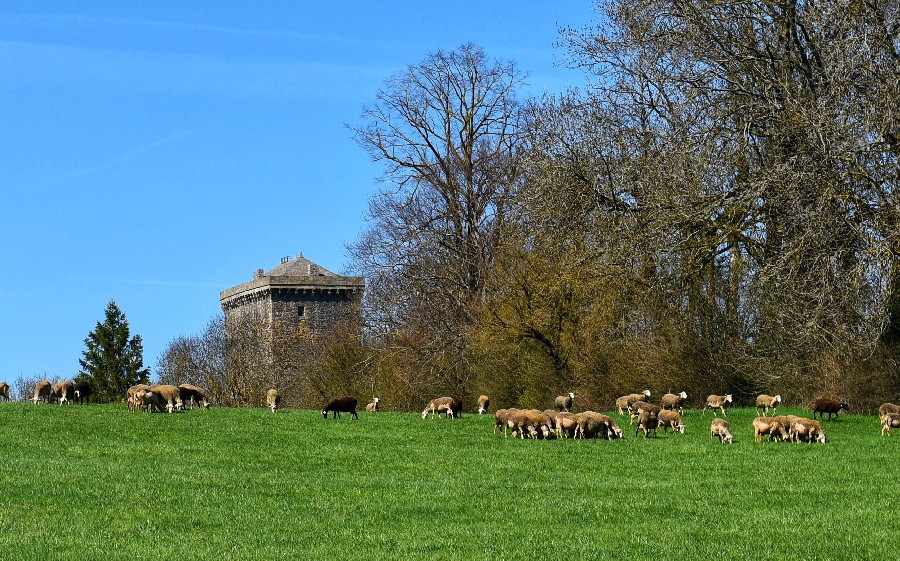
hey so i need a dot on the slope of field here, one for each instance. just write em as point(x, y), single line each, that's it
point(89, 482)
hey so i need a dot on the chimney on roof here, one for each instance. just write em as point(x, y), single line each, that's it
point(258, 274)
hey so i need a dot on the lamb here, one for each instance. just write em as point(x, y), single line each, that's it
point(625, 401)
point(719, 428)
point(373, 407)
point(889, 421)
point(670, 419)
point(64, 391)
point(273, 400)
point(82, 392)
point(807, 429)
point(564, 402)
point(132, 392)
point(674, 401)
point(4, 390)
point(639, 406)
point(768, 425)
point(342, 404)
point(193, 394)
point(717, 402)
point(829, 406)
point(766, 401)
point(170, 395)
point(483, 403)
point(42, 391)
point(647, 422)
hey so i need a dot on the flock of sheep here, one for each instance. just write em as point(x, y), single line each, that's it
point(558, 422)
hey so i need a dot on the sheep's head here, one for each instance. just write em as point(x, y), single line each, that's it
point(683, 395)
point(777, 399)
point(646, 392)
point(728, 437)
point(845, 406)
point(728, 398)
point(680, 427)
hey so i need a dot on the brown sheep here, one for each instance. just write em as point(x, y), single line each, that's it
point(169, 395)
point(639, 406)
point(501, 416)
point(719, 428)
point(338, 405)
point(193, 394)
point(767, 401)
point(564, 402)
point(273, 400)
point(647, 422)
point(674, 401)
point(807, 429)
point(889, 421)
point(717, 402)
point(449, 405)
point(591, 424)
point(64, 391)
point(483, 403)
point(768, 426)
point(4, 390)
point(624, 403)
point(566, 424)
point(888, 408)
point(42, 391)
point(829, 406)
point(670, 419)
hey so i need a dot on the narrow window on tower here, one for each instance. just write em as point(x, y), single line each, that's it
point(301, 311)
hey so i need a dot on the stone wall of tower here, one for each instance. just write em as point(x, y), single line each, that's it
point(312, 311)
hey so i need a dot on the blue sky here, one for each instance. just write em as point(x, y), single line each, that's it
point(157, 153)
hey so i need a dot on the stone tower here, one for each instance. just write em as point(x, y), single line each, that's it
point(298, 297)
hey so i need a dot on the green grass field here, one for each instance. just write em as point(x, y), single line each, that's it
point(95, 482)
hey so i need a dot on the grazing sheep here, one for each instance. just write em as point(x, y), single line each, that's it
point(132, 391)
point(439, 405)
point(829, 406)
point(42, 391)
point(532, 421)
point(719, 428)
point(889, 421)
point(647, 422)
point(717, 402)
point(64, 391)
point(193, 394)
point(273, 400)
point(373, 407)
point(886, 408)
point(806, 429)
point(564, 402)
point(591, 424)
point(786, 422)
point(4, 390)
point(483, 403)
point(624, 403)
point(766, 401)
point(501, 416)
point(566, 425)
point(169, 395)
point(674, 401)
point(147, 400)
point(82, 392)
point(639, 406)
point(343, 404)
point(768, 426)
point(670, 419)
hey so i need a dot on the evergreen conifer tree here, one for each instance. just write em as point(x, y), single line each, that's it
point(113, 361)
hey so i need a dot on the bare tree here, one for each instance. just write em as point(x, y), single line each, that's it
point(447, 131)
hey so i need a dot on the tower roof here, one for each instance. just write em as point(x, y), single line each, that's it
point(299, 267)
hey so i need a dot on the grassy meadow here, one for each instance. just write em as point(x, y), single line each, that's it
point(92, 482)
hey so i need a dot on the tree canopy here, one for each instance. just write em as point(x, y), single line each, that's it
point(113, 359)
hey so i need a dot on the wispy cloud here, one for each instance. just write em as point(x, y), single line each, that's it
point(130, 155)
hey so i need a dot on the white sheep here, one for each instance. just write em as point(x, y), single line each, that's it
point(889, 421)
point(807, 429)
point(169, 395)
point(273, 399)
point(624, 403)
point(483, 403)
point(673, 401)
point(767, 401)
point(64, 391)
point(373, 407)
point(719, 428)
point(564, 402)
point(670, 419)
point(717, 402)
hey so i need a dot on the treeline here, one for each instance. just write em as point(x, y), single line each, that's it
point(715, 212)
